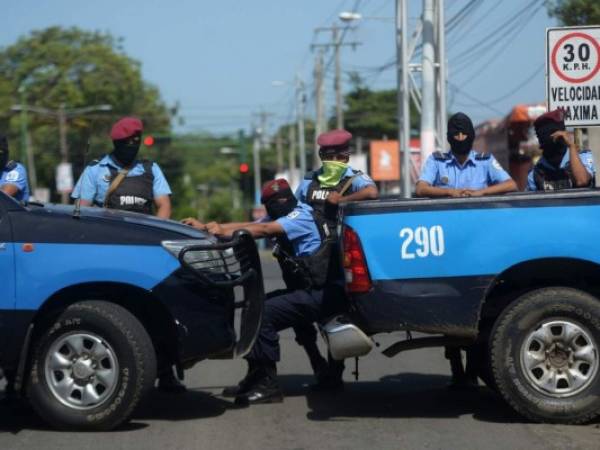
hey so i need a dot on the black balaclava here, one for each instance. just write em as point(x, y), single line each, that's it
point(3, 152)
point(460, 123)
point(126, 150)
point(281, 204)
point(551, 148)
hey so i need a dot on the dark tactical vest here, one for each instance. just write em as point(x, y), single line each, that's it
point(135, 193)
point(547, 179)
point(316, 197)
point(308, 272)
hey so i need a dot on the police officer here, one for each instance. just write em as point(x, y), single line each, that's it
point(334, 183)
point(562, 165)
point(13, 176)
point(311, 244)
point(121, 181)
point(462, 172)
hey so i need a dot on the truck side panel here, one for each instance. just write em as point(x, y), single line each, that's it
point(427, 265)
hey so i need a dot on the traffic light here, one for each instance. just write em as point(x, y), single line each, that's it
point(244, 168)
point(161, 141)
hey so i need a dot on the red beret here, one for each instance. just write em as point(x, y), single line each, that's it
point(556, 116)
point(274, 187)
point(334, 139)
point(126, 127)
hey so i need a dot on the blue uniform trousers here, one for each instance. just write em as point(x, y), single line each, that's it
point(298, 309)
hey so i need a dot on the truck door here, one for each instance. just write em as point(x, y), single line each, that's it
point(7, 280)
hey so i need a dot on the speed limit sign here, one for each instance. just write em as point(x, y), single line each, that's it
point(573, 74)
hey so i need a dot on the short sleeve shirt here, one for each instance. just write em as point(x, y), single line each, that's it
point(585, 157)
point(360, 182)
point(95, 180)
point(476, 173)
point(301, 230)
point(17, 176)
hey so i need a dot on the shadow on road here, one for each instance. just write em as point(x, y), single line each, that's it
point(17, 415)
point(409, 395)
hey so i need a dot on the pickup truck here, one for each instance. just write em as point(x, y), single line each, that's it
point(93, 299)
point(517, 276)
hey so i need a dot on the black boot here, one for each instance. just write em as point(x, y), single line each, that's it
point(168, 382)
point(265, 389)
point(331, 380)
point(317, 362)
point(242, 387)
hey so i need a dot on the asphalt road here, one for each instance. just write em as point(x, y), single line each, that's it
point(399, 403)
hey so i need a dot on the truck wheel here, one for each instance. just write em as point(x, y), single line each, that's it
point(545, 355)
point(91, 367)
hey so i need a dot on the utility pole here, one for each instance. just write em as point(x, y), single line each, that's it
point(442, 78)
point(403, 94)
point(300, 103)
point(292, 155)
point(320, 125)
point(428, 86)
point(256, 163)
point(62, 115)
point(336, 43)
point(279, 150)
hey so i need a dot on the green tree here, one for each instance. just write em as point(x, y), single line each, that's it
point(373, 114)
point(575, 12)
point(77, 68)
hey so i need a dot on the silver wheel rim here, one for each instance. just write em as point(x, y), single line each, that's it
point(81, 370)
point(559, 358)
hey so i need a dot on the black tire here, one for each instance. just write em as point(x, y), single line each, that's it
point(132, 364)
point(515, 336)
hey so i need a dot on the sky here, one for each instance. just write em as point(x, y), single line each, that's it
point(219, 59)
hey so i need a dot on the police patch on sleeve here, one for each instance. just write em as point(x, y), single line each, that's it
point(13, 175)
point(293, 215)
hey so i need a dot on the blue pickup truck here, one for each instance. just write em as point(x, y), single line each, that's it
point(517, 276)
point(92, 300)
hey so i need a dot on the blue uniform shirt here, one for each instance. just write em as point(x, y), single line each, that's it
point(95, 180)
point(16, 175)
point(473, 174)
point(585, 157)
point(301, 229)
point(358, 184)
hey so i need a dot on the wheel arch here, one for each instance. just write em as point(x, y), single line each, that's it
point(534, 274)
point(154, 316)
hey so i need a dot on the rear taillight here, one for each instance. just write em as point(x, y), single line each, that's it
point(355, 267)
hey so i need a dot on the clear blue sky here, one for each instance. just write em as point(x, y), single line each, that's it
point(219, 58)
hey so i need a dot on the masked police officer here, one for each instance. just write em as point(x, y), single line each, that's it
point(121, 181)
point(335, 182)
point(562, 165)
point(311, 244)
point(462, 172)
point(13, 176)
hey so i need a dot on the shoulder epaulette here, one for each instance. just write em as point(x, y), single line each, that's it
point(11, 165)
point(441, 156)
point(93, 162)
point(482, 156)
point(357, 172)
point(309, 175)
point(585, 150)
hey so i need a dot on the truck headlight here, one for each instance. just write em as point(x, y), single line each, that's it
point(213, 260)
